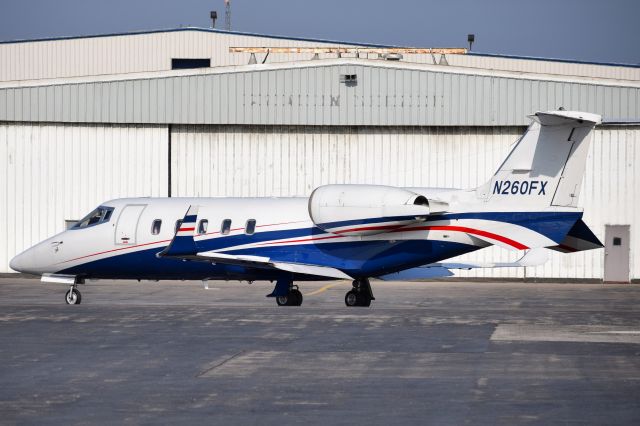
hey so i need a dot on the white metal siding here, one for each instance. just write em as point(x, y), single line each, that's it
point(53, 173)
point(292, 161)
point(153, 52)
point(312, 94)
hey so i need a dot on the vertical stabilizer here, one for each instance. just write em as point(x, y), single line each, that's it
point(546, 166)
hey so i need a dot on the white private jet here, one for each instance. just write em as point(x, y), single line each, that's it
point(352, 232)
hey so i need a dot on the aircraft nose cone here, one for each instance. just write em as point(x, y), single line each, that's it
point(23, 262)
point(18, 263)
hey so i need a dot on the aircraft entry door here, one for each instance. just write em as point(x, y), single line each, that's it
point(128, 224)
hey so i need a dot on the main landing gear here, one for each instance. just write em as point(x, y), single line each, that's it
point(286, 293)
point(360, 294)
point(293, 298)
point(73, 296)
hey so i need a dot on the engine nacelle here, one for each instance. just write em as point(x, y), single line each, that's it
point(365, 209)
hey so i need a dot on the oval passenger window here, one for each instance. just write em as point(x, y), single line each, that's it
point(202, 226)
point(250, 227)
point(155, 226)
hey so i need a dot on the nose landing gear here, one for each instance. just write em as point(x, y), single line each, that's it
point(360, 294)
point(73, 296)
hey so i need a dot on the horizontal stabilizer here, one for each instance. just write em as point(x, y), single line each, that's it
point(559, 118)
point(579, 238)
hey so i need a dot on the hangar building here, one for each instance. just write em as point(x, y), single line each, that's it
point(176, 113)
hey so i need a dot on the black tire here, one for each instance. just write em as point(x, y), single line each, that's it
point(73, 297)
point(283, 300)
point(296, 297)
point(364, 301)
point(352, 298)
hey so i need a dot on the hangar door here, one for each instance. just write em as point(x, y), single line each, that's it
point(256, 161)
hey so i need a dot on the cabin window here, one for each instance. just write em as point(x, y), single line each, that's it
point(178, 225)
point(155, 226)
point(226, 227)
point(100, 215)
point(250, 227)
point(202, 226)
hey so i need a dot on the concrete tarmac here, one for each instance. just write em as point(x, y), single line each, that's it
point(447, 353)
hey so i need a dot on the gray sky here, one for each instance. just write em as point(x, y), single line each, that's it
point(589, 30)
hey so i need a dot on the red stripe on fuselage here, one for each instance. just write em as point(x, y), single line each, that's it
point(301, 240)
point(118, 249)
point(368, 228)
point(164, 241)
point(466, 230)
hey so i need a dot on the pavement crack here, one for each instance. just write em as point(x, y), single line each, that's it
point(220, 364)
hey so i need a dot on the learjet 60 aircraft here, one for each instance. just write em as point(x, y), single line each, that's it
point(352, 232)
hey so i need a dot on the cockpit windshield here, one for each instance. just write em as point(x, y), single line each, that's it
point(100, 215)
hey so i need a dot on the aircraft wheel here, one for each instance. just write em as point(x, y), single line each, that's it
point(355, 298)
point(293, 298)
point(73, 297)
point(296, 297)
point(351, 298)
point(364, 300)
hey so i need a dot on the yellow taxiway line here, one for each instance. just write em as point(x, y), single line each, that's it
point(321, 289)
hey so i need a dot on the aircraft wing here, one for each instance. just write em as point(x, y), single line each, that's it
point(183, 246)
point(265, 262)
point(532, 257)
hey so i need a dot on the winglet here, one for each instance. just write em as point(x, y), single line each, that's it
point(183, 242)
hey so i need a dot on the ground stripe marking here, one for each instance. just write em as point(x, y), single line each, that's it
point(321, 289)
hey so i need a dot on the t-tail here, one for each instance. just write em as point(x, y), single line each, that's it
point(546, 166)
point(543, 173)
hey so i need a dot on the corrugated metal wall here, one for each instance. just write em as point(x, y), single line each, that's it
point(53, 173)
point(153, 52)
point(313, 94)
point(292, 161)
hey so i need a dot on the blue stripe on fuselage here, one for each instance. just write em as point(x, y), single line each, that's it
point(364, 258)
point(553, 225)
point(361, 258)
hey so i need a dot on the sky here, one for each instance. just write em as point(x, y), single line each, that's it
point(586, 30)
